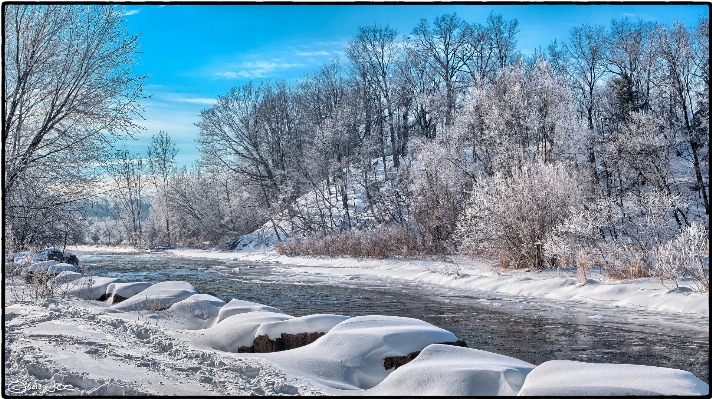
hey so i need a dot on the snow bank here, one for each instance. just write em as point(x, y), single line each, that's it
point(446, 370)
point(90, 287)
point(569, 378)
point(65, 277)
point(236, 331)
point(237, 306)
point(310, 323)
point(125, 290)
point(71, 341)
point(61, 267)
point(159, 296)
point(351, 355)
point(42, 266)
point(644, 294)
point(196, 312)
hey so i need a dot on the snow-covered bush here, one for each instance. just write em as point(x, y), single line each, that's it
point(510, 217)
point(621, 235)
point(437, 186)
point(687, 255)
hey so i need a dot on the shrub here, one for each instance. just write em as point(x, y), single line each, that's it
point(686, 255)
point(511, 217)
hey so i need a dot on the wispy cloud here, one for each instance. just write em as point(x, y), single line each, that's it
point(131, 12)
point(312, 53)
point(207, 101)
point(259, 69)
point(641, 16)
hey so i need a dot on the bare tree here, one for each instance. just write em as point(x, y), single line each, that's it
point(69, 86)
point(128, 172)
point(161, 164)
point(374, 53)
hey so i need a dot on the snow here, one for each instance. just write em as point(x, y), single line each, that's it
point(196, 312)
point(568, 378)
point(309, 323)
point(237, 306)
point(125, 290)
point(158, 296)
point(65, 277)
point(42, 266)
point(92, 287)
point(351, 355)
point(445, 370)
point(167, 338)
point(61, 267)
point(236, 331)
point(639, 295)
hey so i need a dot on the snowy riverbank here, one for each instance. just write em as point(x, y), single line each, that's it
point(645, 294)
point(167, 338)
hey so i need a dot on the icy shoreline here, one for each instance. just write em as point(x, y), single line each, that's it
point(167, 338)
point(639, 295)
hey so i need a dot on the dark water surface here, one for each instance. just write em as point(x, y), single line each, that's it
point(510, 326)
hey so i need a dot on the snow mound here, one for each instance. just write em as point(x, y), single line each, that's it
point(310, 323)
point(351, 355)
point(42, 266)
point(237, 330)
point(65, 277)
point(46, 254)
point(195, 312)
point(92, 287)
point(61, 267)
point(567, 378)
point(125, 290)
point(19, 257)
point(159, 296)
point(237, 306)
point(445, 370)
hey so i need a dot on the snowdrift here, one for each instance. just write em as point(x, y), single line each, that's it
point(349, 355)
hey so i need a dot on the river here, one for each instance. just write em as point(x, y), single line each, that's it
point(530, 330)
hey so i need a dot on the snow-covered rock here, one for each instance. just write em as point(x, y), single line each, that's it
point(65, 277)
point(237, 306)
point(124, 291)
point(48, 254)
point(445, 370)
point(42, 266)
point(572, 378)
point(195, 312)
point(237, 330)
point(159, 296)
point(61, 267)
point(310, 323)
point(19, 257)
point(91, 287)
point(352, 353)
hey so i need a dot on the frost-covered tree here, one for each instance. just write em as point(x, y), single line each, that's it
point(161, 165)
point(69, 88)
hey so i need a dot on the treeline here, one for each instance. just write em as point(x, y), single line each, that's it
point(591, 151)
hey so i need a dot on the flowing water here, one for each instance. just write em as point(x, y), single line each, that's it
point(530, 330)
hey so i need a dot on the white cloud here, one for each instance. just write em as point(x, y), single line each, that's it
point(312, 53)
point(208, 101)
point(256, 69)
point(131, 12)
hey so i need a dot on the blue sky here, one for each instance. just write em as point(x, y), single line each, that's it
point(194, 53)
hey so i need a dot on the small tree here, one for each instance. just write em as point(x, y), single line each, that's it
point(161, 164)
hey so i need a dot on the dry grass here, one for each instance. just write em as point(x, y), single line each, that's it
point(380, 242)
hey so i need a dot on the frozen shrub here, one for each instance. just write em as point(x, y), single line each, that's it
point(437, 185)
point(687, 255)
point(511, 217)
